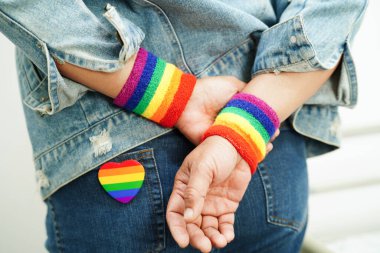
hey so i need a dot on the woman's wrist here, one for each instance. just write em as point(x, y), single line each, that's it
point(248, 123)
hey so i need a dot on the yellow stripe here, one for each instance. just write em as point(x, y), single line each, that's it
point(241, 124)
point(122, 179)
point(160, 92)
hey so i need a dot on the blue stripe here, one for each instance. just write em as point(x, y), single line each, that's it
point(150, 65)
point(124, 193)
point(255, 112)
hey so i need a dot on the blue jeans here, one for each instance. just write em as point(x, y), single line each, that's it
point(271, 217)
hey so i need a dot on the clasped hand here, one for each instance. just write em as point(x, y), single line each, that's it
point(213, 178)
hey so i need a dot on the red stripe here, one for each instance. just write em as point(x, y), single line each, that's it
point(241, 145)
point(114, 165)
point(180, 100)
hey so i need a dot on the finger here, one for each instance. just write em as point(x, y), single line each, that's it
point(195, 192)
point(175, 220)
point(210, 229)
point(226, 226)
point(198, 239)
point(275, 135)
point(269, 147)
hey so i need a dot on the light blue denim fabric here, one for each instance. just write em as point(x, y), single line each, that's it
point(73, 130)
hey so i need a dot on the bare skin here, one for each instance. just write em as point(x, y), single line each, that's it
point(209, 96)
point(213, 178)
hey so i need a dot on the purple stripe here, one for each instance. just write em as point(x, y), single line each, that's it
point(125, 200)
point(124, 193)
point(141, 87)
point(133, 79)
point(272, 115)
point(255, 111)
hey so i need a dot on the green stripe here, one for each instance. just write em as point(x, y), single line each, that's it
point(252, 120)
point(123, 186)
point(152, 87)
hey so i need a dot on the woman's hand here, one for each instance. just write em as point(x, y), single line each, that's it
point(207, 190)
point(209, 96)
point(206, 193)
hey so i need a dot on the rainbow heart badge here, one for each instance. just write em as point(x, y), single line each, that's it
point(122, 181)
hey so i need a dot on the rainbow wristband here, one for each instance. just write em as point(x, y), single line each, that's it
point(156, 90)
point(248, 123)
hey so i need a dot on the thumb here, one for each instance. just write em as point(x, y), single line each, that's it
point(196, 190)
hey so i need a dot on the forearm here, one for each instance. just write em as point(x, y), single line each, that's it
point(107, 83)
point(286, 92)
point(251, 118)
point(146, 85)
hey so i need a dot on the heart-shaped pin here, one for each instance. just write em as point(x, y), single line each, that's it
point(122, 181)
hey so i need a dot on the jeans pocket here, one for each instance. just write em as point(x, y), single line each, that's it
point(82, 217)
point(150, 192)
point(284, 177)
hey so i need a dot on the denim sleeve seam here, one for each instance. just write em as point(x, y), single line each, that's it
point(266, 70)
point(105, 66)
point(180, 47)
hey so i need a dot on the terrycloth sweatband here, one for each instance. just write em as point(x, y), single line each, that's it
point(156, 90)
point(248, 123)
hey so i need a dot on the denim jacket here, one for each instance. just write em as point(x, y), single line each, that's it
point(74, 130)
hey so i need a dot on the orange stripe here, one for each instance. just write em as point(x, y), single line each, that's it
point(120, 171)
point(241, 145)
point(251, 142)
point(245, 136)
point(162, 109)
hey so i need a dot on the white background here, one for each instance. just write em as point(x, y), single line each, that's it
point(345, 185)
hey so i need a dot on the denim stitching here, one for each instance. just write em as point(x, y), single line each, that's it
point(281, 241)
point(230, 51)
point(269, 202)
point(162, 200)
point(271, 69)
point(149, 190)
point(351, 68)
point(42, 82)
point(144, 157)
point(97, 165)
point(174, 33)
point(84, 112)
point(268, 194)
point(139, 154)
point(285, 223)
point(55, 225)
point(26, 77)
point(152, 201)
point(75, 135)
point(305, 133)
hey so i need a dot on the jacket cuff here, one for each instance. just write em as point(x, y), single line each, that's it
point(88, 44)
point(286, 47)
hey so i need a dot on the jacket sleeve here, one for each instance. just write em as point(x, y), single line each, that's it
point(313, 35)
point(67, 31)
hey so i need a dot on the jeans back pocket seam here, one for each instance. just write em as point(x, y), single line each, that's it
point(152, 173)
point(271, 218)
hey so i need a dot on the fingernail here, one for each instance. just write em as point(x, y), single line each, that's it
point(188, 213)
